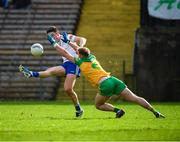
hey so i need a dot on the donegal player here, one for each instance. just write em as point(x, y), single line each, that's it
point(107, 84)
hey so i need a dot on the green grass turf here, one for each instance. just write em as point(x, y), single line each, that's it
point(55, 121)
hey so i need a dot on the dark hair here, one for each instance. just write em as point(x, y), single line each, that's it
point(52, 29)
point(84, 51)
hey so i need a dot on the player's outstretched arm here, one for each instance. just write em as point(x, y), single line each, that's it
point(60, 50)
point(81, 41)
point(73, 45)
point(64, 53)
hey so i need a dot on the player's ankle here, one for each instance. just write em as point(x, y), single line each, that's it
point(78, 107)
point(116, 110)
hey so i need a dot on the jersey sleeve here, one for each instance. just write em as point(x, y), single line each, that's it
point(78, 61)
point(72, 38)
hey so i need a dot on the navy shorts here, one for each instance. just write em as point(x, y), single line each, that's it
point(71, 68)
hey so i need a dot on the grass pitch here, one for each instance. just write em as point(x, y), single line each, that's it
point(46, 121)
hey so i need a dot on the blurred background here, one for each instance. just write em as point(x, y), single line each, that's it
point(138, 41)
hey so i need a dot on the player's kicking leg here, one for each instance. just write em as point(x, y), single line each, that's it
point(53, 71)
point(130, 96)
point(27, 73)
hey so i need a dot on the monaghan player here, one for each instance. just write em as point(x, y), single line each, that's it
point(68, 69)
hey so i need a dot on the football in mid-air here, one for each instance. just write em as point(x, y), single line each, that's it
point(37, 49)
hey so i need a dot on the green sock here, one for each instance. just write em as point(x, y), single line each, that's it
point(116, 110)
point(153, 110)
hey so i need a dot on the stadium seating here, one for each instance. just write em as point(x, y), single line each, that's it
point(19, 29)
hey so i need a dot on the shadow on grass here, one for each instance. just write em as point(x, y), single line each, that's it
point(83, 118)
point(55, 102)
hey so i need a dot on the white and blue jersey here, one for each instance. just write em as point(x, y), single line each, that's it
point(69, 67)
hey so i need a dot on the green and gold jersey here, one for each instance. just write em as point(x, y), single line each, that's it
point(91, 69)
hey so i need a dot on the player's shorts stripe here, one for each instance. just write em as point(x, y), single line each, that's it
point(77, 70)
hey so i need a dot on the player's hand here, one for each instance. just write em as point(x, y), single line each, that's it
point(51, 40)
point(65, 37)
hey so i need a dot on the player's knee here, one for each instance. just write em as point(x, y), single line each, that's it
point(98, 106)
point(68, 90)
point(49, 72)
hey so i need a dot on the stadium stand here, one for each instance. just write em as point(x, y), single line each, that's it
point(109, 26)
point(19, 29)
